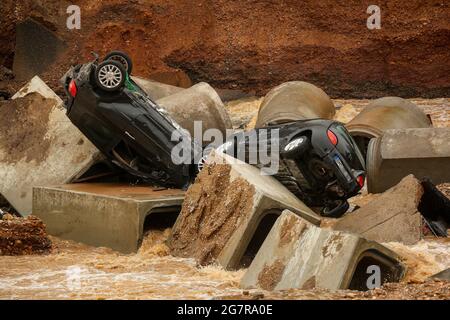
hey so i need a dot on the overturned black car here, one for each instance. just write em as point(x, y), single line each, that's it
point(318, 160)
point(131, 130)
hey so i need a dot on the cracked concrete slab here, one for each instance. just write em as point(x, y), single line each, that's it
point(297, 254)
point(39, 145)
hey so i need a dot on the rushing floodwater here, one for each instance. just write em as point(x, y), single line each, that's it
point(77, 271)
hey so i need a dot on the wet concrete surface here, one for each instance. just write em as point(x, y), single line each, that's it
point(75, 271)
point(122, 190)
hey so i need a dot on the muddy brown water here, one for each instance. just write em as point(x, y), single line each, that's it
point(76, 271)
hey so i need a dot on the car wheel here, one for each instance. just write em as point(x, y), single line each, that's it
point(340, 208)
point(110, 75)
point(122, 58)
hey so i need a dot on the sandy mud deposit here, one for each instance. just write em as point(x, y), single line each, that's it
point(212, 209)
point(27, 116)
point(23, 236)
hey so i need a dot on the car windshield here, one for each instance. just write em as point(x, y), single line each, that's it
point(346, 141)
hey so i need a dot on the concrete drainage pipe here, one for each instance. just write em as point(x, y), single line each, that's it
point(383, 114)
point(295, 100)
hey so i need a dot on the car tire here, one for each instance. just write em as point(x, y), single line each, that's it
point(110, 76)
point(338, 211)
point(122, 58)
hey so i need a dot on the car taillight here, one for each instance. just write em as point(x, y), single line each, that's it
point(332, 137)
point(360, 180)
point(73, 88)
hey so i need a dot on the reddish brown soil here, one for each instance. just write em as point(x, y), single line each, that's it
point(24, 126)
point(20, 236)
point(212, 209)
point(255, 45)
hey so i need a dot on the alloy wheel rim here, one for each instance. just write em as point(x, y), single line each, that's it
point(110, 76)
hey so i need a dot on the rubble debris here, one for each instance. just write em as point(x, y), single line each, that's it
point(228, 211)
point(393, 216)
point(156, 90)
point(198, 103)
point(23, 236)
point(37, 48)
point(423, 152)
point(38, 145)
point(297, 254)
point(110, 215)
point(294, 100)
point(383, 114)
point(399, 214)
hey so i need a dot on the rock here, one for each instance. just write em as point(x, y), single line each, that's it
point(391, 217)
point(8, 216)
point(21, 236)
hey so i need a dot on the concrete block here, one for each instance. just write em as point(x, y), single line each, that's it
point(392, 217)
point(37, 48)
point(443, 275)
point(156, 90)
point(198, 103)
point(228, 212)
point(294, 100)
point(297, 254)
point(423, 152)
point(107, 215)
point(38, 145)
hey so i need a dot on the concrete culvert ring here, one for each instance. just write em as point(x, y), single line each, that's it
point(294, 100)
point(383, 114)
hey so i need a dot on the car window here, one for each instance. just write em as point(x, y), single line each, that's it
point(344, 134)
